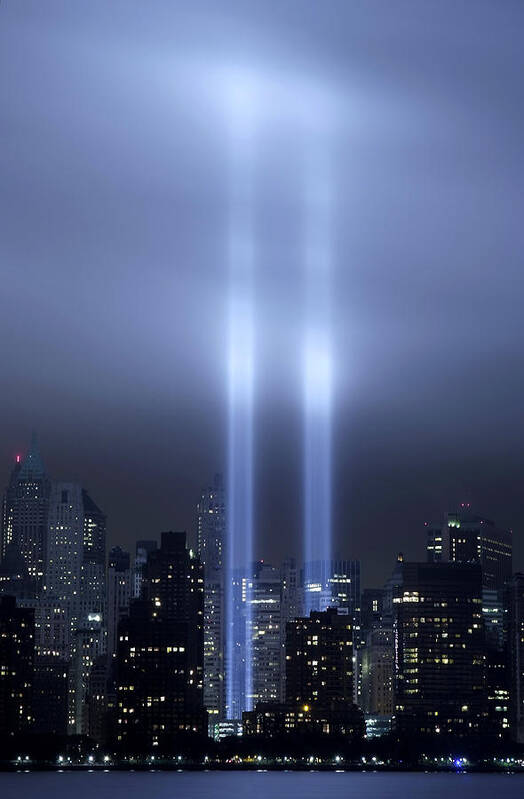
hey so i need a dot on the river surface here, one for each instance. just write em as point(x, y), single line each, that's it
point(258, 785)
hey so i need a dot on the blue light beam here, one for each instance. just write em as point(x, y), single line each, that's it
point(240, 404)
point(318, 370)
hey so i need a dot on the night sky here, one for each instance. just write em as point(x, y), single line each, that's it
point(113, 257)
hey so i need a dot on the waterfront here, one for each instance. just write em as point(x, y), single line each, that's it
point(258, 785)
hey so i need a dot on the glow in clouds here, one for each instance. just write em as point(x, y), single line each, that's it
point(252, 100)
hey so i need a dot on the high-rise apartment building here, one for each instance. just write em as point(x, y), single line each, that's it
point(160, 654)
point(440, 679)
point(17, 628)
point(319, 658)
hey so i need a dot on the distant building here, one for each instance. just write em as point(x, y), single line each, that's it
point(75, 572)
point(162, 636)
point(515, 637)
point(378, 673)
point(50, 695)
point(274, 719)
point(227, 729)
point(235, 655)
point(319, 682)
point(464, 537)
point(265, 630)
point(16, 667)
point(439, 648)
point(332, 583)
point(371, 610)
point(211, 524)
point(99, 695)
point(143, 548)
point(119, 591)
point(290, 609)
point(25, 510)
point(88, 644)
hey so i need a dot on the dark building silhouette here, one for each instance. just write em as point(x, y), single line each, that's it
point(99, 699)
point(515, 640)
point(160, 654)
point(25, 510)
point(439, 644)
point(119, 590)
point(14, 575)
point(50, 695)
point(274, 720)
point(17, 644)
point(319, 658)
point(464, 537)
point(371, 610)
point(143, 548)
point(319, 682)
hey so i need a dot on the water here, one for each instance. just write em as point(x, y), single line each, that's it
point(254, 785)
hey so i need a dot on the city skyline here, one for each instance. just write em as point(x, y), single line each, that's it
point(261, 429)
point(369, 577)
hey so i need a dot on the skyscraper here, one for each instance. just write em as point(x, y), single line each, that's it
point(265, 631)
point(143, 548)
point(515, 636)
point(160, 659)
point(468, 538)
point(75, 573)
point(377, 694)
point(16, 667)
point(439, 649)
point(119, 592)
point(211, 526)
point(25, 509)
point(88, 644)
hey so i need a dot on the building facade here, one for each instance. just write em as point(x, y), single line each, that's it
point(17, 628)
point(160, 660)
point(211, 525)
point(440, 677)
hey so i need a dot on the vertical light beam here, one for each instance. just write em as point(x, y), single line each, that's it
point(240, 412)
point(318, 372)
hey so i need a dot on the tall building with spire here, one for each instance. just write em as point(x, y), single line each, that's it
point(25, 511)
